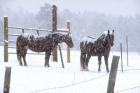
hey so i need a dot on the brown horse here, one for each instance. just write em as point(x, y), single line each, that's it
point(100, 47)
point(40, 44)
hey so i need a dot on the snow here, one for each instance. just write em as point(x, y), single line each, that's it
point(27, 35)
point(88, 39)
point(35, 78)
point(105, 33)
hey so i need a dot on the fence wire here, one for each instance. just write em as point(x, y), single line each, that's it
point(69, 85)
point(135, 89)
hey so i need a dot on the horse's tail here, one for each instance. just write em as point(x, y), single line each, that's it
point(18, 47)
point(83, 46)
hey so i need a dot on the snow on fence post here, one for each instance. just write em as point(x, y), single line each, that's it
point(5, 39)
point(113, 73)
point(7, 80)
point(68, 49)
point(54, 29)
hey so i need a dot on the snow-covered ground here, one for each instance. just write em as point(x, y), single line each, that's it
point(35, 78)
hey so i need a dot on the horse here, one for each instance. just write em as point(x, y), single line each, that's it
point(100, 47)
point(40, 44)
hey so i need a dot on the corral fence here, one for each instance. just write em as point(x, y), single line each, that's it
point(121, 52)
point(135, 89)
point(68, 87)
point(110, 89)
point(38, 31)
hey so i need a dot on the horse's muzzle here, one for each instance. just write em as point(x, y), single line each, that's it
point(71, 46)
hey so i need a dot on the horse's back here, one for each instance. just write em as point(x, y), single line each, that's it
point(87, 47)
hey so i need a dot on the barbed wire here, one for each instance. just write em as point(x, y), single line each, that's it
point(69, 85)
point(128, 89)
point(77, 83)
point(133, 69)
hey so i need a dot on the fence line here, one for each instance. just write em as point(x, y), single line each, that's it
point(12, 41)
point(69, 85)
point(12, 27)
point(29, 53)
point(54, 29)
point(128, 89)
point(43, 30)
point(130, 70)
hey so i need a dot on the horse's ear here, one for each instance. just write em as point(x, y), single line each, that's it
point(113, 31)
point(108, 31)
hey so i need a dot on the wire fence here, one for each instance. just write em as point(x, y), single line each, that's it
point(69, 85)
point(135, 89)
point(29, 29)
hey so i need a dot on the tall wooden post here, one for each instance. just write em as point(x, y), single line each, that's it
point(54, 29)
point(7, 80)
point(127, 49)
point(5, 39)
point(68, 49)
point(113, 73)
point(121, 56)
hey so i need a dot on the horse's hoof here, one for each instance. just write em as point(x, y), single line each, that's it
point(20, 64)
point(86, 69)
point(99, 70)
point(46, 65)
point(25, 65)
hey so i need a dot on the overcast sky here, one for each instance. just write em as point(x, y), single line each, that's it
point(109, 7)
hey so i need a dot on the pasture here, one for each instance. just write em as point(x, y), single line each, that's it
point(35, 78)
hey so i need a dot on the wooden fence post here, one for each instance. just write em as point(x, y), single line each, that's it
point(121, 56)
point(5, 39)
point(7, 80)
point(54, 29)
point(61, 57)
point(127, 49)
point(68, 49)
point(113, 73)
point(22, 31)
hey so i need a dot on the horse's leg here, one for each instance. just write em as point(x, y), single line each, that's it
point(84, 61)
point(19, 60)
point(19, 56)
point(87, 61)
point(47, 57)
point(99, 62)
point(106, 63)
point(81, 61)
point(24, 58)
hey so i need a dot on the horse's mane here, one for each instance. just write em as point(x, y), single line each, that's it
point(102, 37)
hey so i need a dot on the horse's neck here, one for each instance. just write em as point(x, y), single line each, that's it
point(60, 39)
point(102, 37)
point(101, 41)
point(56, 41)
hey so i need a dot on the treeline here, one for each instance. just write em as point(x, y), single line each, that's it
point(83, 24)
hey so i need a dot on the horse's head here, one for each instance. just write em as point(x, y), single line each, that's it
point(68, 40)
point(59, 38)
point(110, 38)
